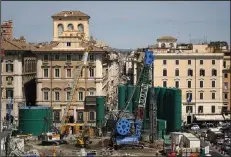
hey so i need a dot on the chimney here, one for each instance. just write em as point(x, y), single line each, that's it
point(7, 30)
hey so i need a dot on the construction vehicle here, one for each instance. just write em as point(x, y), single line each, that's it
point(83, 140)
point(127, 132)
point(57, 136)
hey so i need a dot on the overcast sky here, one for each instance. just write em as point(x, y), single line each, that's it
point(125, 24)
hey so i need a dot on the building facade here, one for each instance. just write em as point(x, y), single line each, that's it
point(193, 69)
point(56, 63)
point(18, 72)
point(226, 81)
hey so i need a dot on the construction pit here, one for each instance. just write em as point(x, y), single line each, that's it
point(98, 145)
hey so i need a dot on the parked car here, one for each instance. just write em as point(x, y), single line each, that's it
point(195, 127)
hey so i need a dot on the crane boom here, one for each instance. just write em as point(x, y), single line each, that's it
point(74, 84)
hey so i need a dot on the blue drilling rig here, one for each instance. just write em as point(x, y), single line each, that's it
point(127, 131)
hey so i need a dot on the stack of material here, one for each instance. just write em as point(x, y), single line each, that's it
point(157, 145)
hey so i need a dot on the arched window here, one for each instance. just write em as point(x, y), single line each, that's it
point(60, 29)
point(171, 45)
point(80, 28)
point(214, 72)
point(163, 45)
point(164, 72)
point(70, 27)
point(202, 72)
point(177, 72)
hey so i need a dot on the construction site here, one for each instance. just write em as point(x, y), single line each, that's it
point(81, 100)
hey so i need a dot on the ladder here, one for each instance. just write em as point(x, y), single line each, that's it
point(145, 83)
point(77, 75)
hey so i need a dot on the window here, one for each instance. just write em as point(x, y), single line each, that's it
point(91, 57)
point(60, 29)
point(9, 80)
point(189, 109)
point(81, 74)
point(45, 95)
point(213, 62)
point(9, 93)
point(201, 84)
point(177, 84)
point(9, 106)
point(214, 72)
point(80, 57)
point(68, 44)
point(177, 62)
point(68, 58)
point(69, 73)
point(164, 83)
point(70, 27)
point(45, 58)
point(201, 62)
point(91, 71)
point(225, 75)
point(224, 108)
point(224, 64)
point(57, 73)
point(213, 84)
point(9, 67)
point(189, 97)
point(57, 97)
point(92, 92)
point(80, 116)
point(171, 45)
point(190, 72)
point(225, 96)
point(45, 73)
point(177, 72)
point(68, 95)
point(81, 96)
point(202, 72)
point(80, 28)
point(213, 96)
point(189, 84)
point(201, 96)
point(164, 72)
point(56, 115)
point(213, 109)
point(200, 109)
point(92, 116)
point(189, 62)
point(164, 62)
point(163, 45)
point(225, 85)
point(56, 57)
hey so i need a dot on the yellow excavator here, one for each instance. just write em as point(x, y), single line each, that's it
point(83, 139)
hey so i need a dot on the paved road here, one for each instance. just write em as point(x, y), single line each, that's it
point(214, 152)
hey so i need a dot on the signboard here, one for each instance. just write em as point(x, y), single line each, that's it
point(207, 150)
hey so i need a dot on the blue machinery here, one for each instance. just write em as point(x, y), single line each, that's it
point(128, 131)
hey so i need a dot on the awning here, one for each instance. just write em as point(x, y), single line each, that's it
point(226, 116)
point(209, 118)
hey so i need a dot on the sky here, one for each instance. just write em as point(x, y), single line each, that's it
point(125, 25)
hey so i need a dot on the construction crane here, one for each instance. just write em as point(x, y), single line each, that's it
point(128, 131)
point(57, 135)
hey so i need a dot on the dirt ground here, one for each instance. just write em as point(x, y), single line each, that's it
point(71, 150)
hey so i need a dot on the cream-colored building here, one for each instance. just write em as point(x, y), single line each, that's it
point(18, 71)
point(194, 70)
point(57, 61)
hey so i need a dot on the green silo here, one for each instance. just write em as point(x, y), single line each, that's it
point(177, 110)
point(100, 112)
point(161, 103)
point(122, 97)
point(136, 98)
point(35, 120)
point(157, 93)
point(129, 93)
